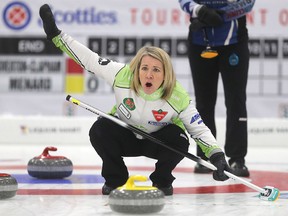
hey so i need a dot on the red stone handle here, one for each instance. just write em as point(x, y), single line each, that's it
point(45, 154)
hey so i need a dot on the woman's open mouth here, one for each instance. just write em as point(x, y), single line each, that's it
point(148, 85)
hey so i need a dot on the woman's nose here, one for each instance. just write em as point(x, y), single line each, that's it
point(149, 74)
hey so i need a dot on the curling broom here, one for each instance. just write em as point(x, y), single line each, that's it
point(267, 193)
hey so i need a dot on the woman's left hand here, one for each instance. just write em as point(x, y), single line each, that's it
point(218, 160)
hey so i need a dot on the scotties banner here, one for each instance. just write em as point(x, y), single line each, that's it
point(33, 70)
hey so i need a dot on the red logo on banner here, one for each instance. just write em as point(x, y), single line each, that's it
point(17, 15)
point(159, 115)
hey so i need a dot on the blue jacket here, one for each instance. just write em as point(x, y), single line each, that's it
point(232, 31)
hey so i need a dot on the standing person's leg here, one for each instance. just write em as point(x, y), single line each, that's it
point(167, 160)
point(111, 142)
point(234, 71)
point(205, 74)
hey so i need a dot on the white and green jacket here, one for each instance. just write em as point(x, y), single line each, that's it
point(146, 112)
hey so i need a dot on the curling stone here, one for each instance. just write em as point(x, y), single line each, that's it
point(130, 198)
point(8, 186)
point(46, 166)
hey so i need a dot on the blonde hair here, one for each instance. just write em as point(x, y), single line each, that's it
point(169, 74)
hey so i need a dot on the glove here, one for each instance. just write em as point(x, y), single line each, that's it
point(218, 160)
point(196, 25)
point(211, 17)
point(49, 25)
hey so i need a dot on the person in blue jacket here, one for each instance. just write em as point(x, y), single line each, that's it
point(218, 45)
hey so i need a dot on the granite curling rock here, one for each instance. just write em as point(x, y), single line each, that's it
point(46, 166)
point(136, 199)
point(8, 186)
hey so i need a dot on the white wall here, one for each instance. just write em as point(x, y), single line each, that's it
point(58, 131)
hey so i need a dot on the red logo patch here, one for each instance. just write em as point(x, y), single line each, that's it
point(159, 115)
point(129, 103)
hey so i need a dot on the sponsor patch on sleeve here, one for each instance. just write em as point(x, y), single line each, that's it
point(195, 118)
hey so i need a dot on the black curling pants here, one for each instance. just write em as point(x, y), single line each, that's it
point(205, 74)
point(113, 142)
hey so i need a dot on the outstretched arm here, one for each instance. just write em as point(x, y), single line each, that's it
point(81, 54)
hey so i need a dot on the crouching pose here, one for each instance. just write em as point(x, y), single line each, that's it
point(147, 97)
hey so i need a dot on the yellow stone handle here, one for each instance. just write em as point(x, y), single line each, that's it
point(129, 185)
